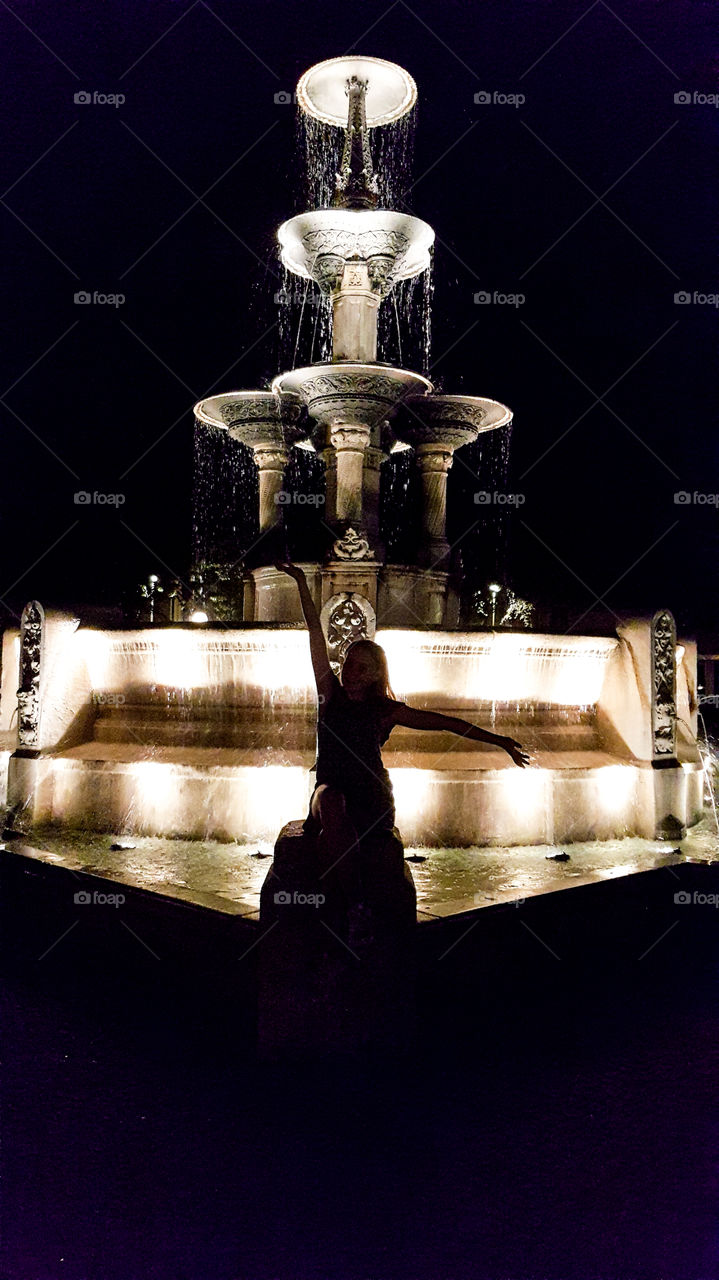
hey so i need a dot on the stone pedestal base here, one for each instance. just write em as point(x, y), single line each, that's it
point(670, 800)
point(27, 771)
point(316, 994)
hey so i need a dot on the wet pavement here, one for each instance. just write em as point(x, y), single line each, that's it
point(228, 877)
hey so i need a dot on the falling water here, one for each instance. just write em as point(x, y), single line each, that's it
point(400, 503)
point(319, 153)
point(404, 323)
point(481, 468)
point(224, 518)
point(303, 520)
point(392, 155)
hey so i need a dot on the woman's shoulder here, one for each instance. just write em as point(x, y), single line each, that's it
point(388, 707)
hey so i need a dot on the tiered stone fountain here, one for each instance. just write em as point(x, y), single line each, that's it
point(361, 409)
point(210, 732)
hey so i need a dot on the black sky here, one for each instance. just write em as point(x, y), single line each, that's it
point(89, 390)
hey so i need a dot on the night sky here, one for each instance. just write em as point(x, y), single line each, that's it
point(594, 199)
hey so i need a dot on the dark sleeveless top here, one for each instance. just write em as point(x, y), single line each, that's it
point(350, 734)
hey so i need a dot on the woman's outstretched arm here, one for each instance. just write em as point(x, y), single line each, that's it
point(324, 675)
point(416, 719)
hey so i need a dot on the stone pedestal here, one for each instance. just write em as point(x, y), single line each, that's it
point(316, 995)
point(354, 315)
point(271, 462)
point(434, 462)
point(670, 800)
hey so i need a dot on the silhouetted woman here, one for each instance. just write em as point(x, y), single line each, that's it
point(353, 795)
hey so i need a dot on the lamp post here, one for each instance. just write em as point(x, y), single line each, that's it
point(494, 590)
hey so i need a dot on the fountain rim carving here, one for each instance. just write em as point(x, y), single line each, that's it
point(392, 95)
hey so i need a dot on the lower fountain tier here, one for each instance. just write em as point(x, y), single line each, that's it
point(224, 721)
point(475, 799)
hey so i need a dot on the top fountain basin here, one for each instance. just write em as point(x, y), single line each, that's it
point(260, 419)
point(311, 240)
point(451, 421)
point(391, 91)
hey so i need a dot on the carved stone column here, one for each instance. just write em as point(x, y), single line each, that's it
point(373, 460)
point(669, 781)
point(349, 444)
point(434, 462)
point(354, 317)
point(271, 463)
point(24, 765)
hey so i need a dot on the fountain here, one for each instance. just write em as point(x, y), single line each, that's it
point(208, 731)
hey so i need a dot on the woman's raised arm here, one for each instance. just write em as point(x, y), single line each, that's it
point(324, 675)
point(416, 719)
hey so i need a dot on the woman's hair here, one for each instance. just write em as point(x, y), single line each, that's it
point(381, 687)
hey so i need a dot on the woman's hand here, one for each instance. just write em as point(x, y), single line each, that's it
point(293, 570)
point(516, 751)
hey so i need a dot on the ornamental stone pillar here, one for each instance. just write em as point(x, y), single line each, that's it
point(349, 444)
point(434, 462)
point(270, 462)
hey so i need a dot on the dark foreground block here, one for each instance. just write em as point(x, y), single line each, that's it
point(316, 994)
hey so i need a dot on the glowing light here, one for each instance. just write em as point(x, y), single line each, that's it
point(198, 615)
point(497, 667)
point(410, 795)
point(525, 792)
point(391, 90)
point(615, 786)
